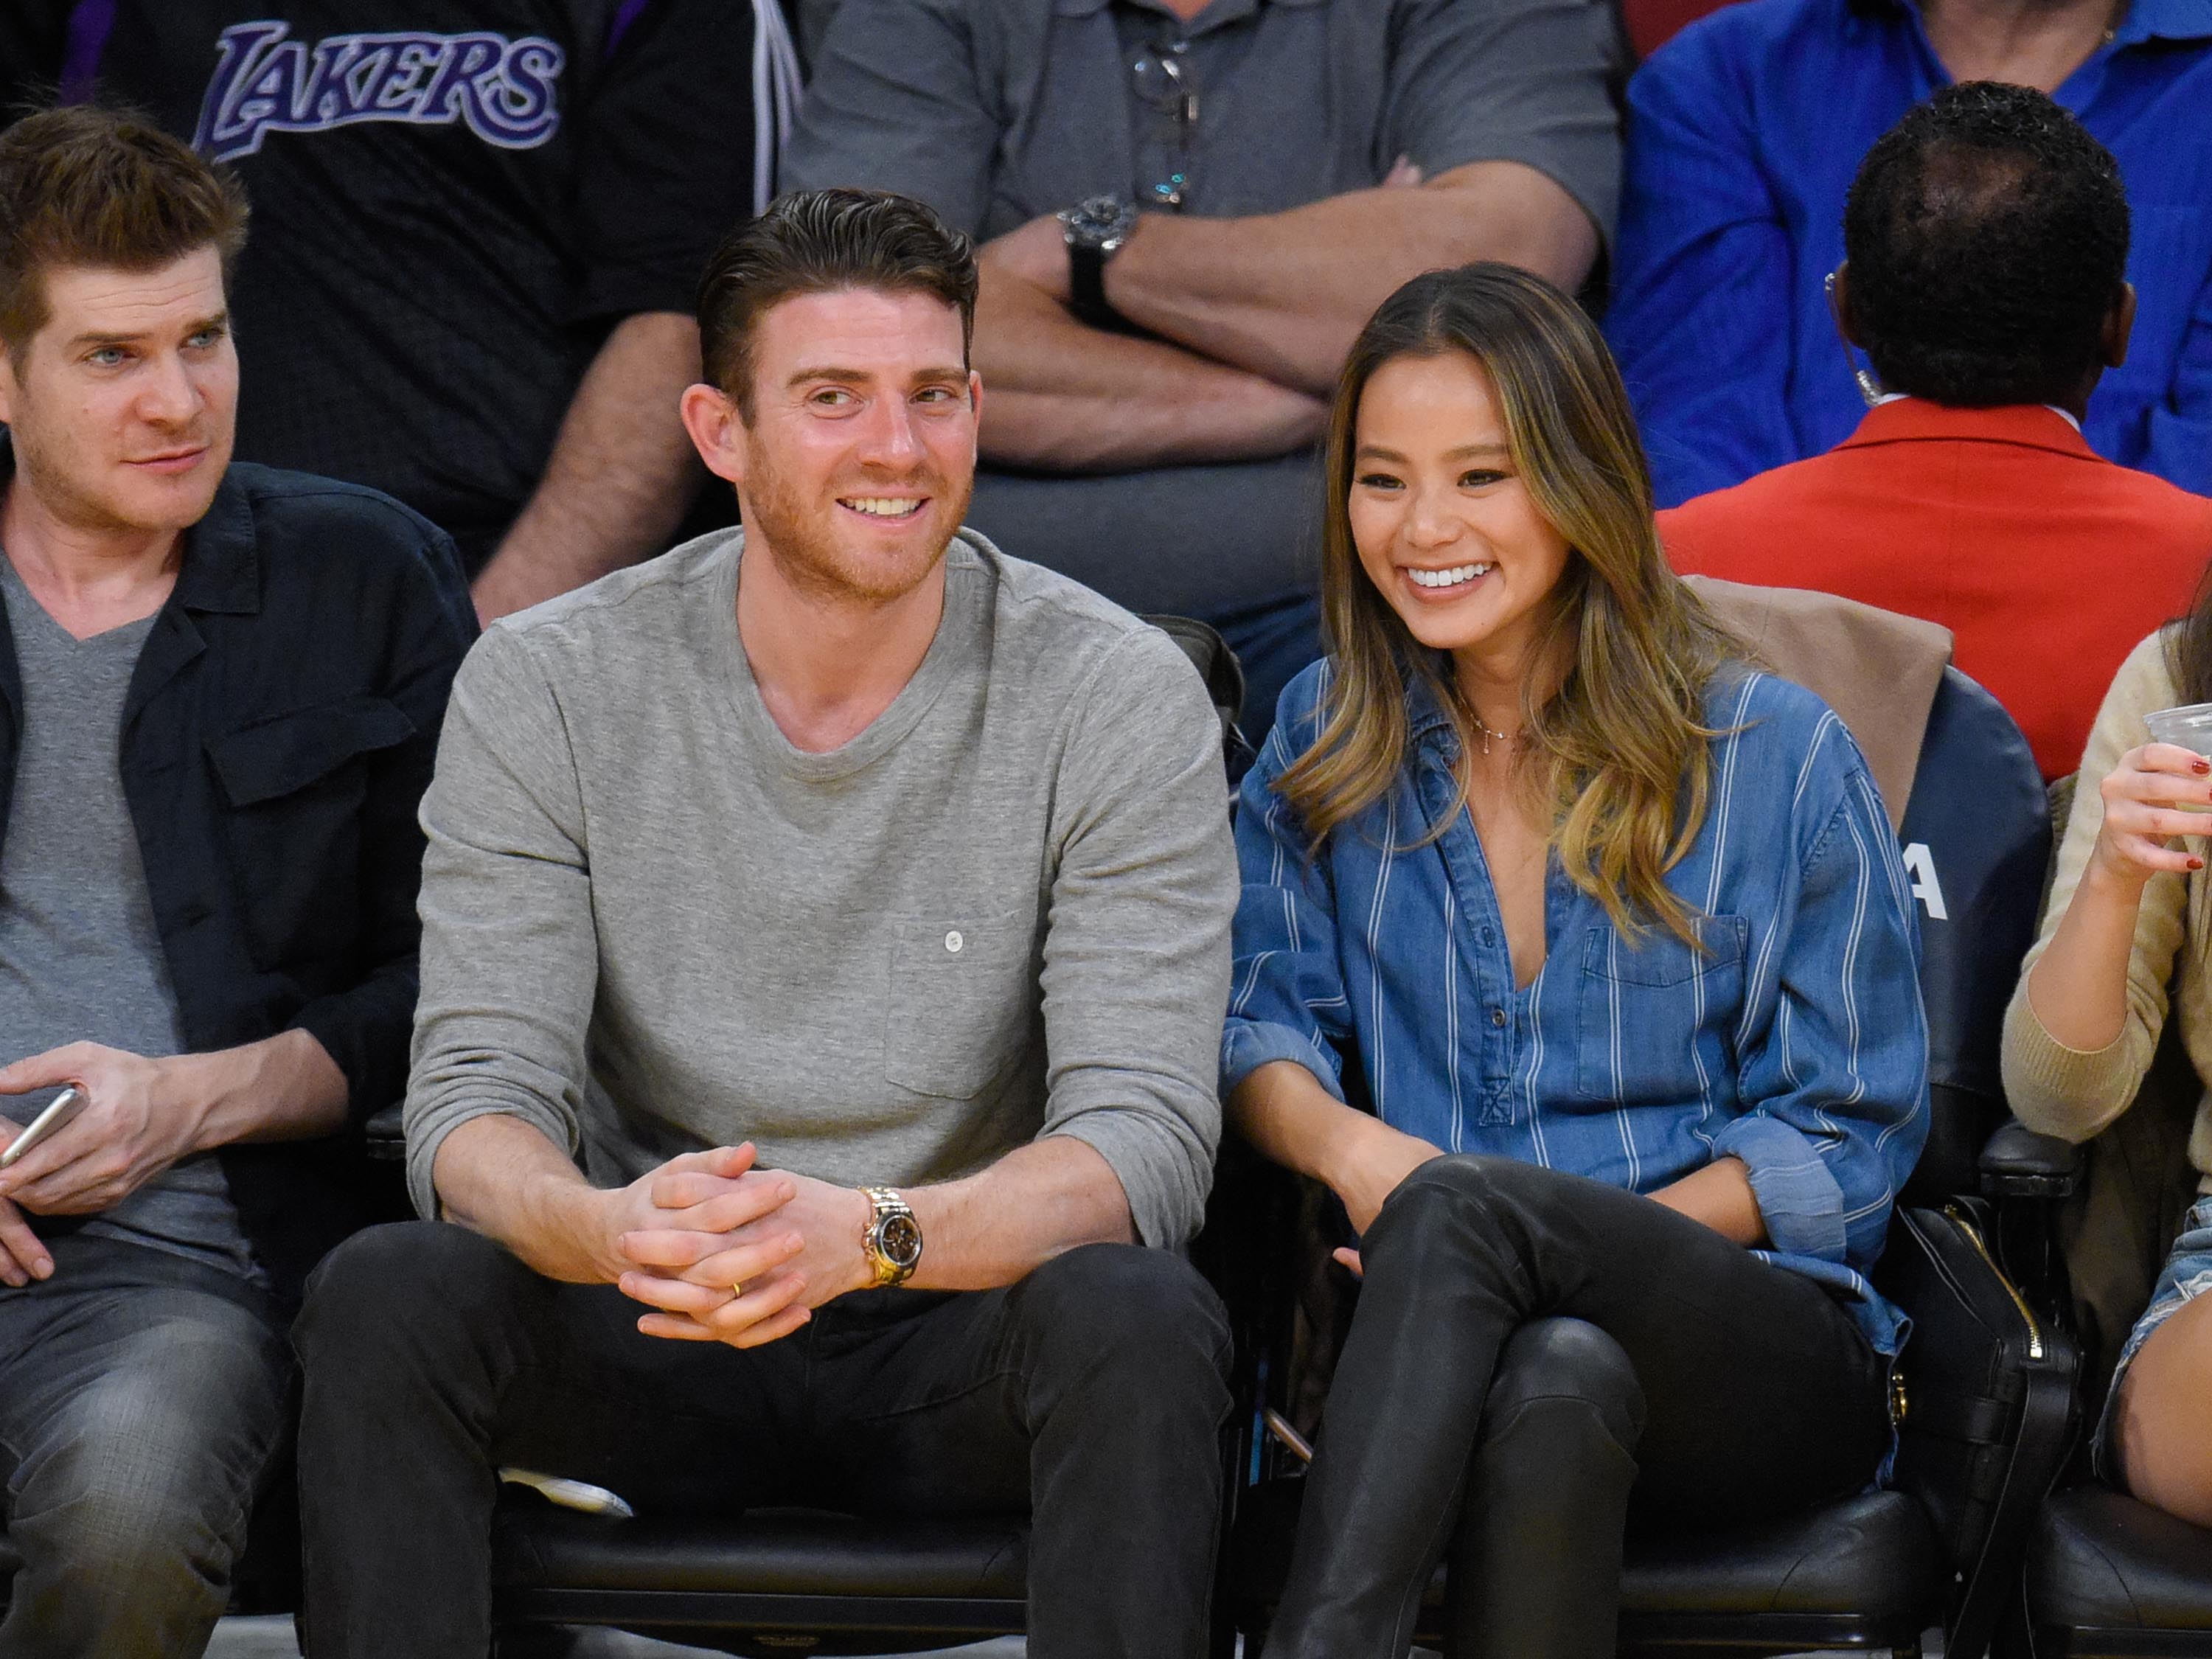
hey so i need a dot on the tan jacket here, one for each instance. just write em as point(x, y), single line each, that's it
point(1878, 669)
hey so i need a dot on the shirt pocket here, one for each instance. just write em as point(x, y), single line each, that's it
point(296, 784)
point(962, 996)
point(1655, 1011)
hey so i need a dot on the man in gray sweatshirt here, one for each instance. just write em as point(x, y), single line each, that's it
point(825, 946)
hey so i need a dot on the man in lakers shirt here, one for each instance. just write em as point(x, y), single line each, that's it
point(477, 224)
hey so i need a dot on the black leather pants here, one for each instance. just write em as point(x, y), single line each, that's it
point(1539, 1360)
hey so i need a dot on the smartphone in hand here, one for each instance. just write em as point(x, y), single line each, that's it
point(60, 1111)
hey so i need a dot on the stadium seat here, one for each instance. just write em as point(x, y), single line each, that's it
point(1989, 1392)
point(2111, 1578)
point(771, 1583)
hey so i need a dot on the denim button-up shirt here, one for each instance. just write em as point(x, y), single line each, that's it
point(1793, 1040)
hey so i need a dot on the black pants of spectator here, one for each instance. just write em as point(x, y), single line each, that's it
point(1534, 1355)
point(1091, 1393)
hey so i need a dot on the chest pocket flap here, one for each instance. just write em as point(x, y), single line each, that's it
point(1657, 1016)
point(276, 757)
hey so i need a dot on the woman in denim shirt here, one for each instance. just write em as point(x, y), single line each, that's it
point(1575, 956)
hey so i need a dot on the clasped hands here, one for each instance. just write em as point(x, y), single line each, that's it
point(723, 1252)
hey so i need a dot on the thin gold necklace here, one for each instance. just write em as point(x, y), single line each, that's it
point(1487, 733)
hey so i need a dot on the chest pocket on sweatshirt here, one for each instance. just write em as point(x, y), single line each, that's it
point(296, 784)
point(1644, 1006)
point(961, 998)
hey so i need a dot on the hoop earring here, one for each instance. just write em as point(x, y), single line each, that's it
point(1870, 388)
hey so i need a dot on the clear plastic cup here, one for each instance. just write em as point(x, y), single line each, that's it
point(2190, 726)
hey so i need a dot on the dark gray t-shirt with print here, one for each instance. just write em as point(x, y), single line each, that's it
point(80, 959)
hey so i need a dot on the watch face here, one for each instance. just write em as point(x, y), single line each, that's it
point(1100, 219)
point(900, 1240)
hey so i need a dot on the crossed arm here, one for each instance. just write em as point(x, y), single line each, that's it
point(1246, 321)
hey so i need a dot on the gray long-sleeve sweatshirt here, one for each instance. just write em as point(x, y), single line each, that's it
point(650, 924)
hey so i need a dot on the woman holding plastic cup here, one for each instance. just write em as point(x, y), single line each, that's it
point(2126, 945)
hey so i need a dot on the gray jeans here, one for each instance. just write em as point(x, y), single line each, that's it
point(140, 1397)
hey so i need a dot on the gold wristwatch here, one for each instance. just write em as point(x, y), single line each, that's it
point(892, 1238)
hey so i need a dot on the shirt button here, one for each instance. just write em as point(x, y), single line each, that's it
point(953, 941)
point(1498, 1016)
point(1490, 936)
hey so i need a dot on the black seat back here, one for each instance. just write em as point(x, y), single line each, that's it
point(1976, 839)
point(1224, 681)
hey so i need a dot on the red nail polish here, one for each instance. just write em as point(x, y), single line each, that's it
point(2202, 765)
point(2197, 864)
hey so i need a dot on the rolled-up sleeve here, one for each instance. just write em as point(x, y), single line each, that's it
point(1286, 987)
point(1525, 81)
point(896, 104)
point(510, 952)
point(1835, 1061)
point(1136, 953)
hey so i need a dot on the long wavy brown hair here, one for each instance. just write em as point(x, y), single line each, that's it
point(1618, 749)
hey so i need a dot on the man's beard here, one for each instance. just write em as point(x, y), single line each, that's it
point(44, 467)
point(802, 535)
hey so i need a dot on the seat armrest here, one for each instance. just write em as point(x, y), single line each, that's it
point(387, 1133)
point(2018, 1162)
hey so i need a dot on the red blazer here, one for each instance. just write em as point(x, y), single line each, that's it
point(2048, 563)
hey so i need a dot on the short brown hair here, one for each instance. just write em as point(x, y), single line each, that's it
point(89, 186)
point(818, 241)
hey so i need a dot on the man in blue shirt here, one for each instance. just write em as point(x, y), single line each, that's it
point(1744, 133)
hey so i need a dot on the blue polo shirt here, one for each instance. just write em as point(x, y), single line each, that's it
point(1744, 133)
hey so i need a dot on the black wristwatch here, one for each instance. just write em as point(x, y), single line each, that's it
point(1095, 230)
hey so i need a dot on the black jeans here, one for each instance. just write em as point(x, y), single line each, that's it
point(1091, 1393)
point(1535, 1356)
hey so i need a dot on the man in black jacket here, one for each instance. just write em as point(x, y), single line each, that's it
point(220, 694)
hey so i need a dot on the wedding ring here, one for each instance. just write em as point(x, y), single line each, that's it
point(738, 1289)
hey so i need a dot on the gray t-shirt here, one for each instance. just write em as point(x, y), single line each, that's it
point(80, 958)
point(651, 924)
point(996, 111)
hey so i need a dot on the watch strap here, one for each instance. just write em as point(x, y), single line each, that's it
point(883, 1206)
point(1086, 286)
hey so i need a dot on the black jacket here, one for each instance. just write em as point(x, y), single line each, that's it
point(278, 735)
